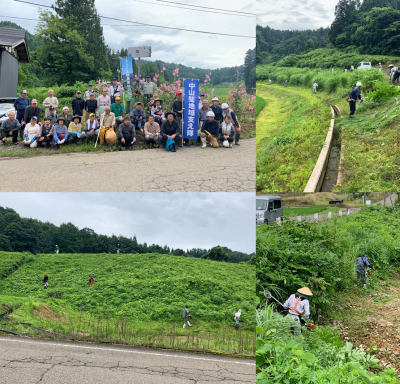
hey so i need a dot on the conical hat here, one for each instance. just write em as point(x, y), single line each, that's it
point(305, 291)
point(111, 137)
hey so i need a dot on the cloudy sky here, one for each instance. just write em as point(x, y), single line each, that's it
point(180, 220)
point(295, 14)
point(187, 48)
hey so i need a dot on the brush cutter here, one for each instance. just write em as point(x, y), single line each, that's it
point(309, 326)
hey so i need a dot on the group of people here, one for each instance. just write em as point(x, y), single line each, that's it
point(103, 119)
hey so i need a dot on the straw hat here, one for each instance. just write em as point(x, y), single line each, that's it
point(305, 291)
point(110, 137)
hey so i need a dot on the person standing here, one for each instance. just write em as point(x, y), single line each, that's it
point(31, 111)
point(117, 248)
point(201, 98)
point(56, 249)
point(286, 83)
point(91, 279)
point(148, 89)
point(109, 89)
point(216, 109)
point(86, 96)
point(315, 86)
point(361, 264)
point(103, 101)
point(116, 90)
point(50, 101)
point(78, 104)
point(177, 107)
point(185, 315)
point(355, 94)
point(237, 318)
point(352, 68)
point(119, 110)
point(127, 134)
point(202, 118)
point(20, 105)
point(53, 115)
point(10, 127)
point(46, 281)
point(90, 106)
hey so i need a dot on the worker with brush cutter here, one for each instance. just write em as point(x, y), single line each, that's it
point(354, 95)
point(361, 264)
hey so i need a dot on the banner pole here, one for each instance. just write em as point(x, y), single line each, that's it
point(183, 109)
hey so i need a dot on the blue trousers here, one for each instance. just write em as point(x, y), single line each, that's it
point(352, 107)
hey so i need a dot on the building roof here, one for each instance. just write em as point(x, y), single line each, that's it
point(16, 39)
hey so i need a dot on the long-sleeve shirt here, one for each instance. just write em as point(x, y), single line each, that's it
point(185, 313)
point(90, 106)
point(148, 87)
point(362, 262)
point(177, 106)
point(9, 126)
point(203, 115)
point(210, 127)
point(107, 121)
point(60, 131)
point(137, 113)
point(77, 106)
point(67, 117)
point(115, 90)
point(21, 104)
point(297, 307)
point(53, 118)
point(355, 94)
point(155, 109)
point(168, 129)
point(74, 128)
point(31, 130)
point(125, 130)
point(48, 101)
point(149, 129)
point(103, 100)
point(234, 119)
point(89, 125)
point(217, 112)
point(137, 91)
point(86, 96)
point(30, 111)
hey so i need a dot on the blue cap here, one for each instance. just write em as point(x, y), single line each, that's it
point(202, 94)
point(148, 76)
point(138, 103)
point(90, 85)
point(91, 94)
point(114, 78)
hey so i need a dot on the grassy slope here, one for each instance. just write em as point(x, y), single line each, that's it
point(290, 134)
point(291, 212)
point(260, 104)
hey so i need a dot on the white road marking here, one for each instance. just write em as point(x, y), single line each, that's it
point(125, 351)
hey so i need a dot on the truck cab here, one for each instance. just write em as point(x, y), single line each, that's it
point(268, 209)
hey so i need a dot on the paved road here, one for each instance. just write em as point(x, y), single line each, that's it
point(188, 170)
point(30, 361)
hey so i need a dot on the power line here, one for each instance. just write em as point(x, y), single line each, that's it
point(149, 25)
point(198, 6)
point(196, 10)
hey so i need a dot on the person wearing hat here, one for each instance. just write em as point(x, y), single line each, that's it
point(92, 126)
point(116, 90)
point(170, 128)
point(202, 117)
point(53, 115)
point(216, 109)
point(109, 89)
point(67, 115)
point(201, 98)
point(392, 71)
point(46, 132)
point(228, 111)
point(31, 133)
point(107, 122)
point(60, 131)
point(103, 101)
point(50, 101)
point(91, 280)
point(361, 264)
point(157, 109)
point(75, 130)
point(20, 105)
point(152, 132)
point(352, 68)
point(138, 116)
point(354, 95)
point(209, 131)
point(237, 318)
point(90, 106)
point(119, 110)
point(148, 88)
point(10, 127)
point(185, 315)
point(30, 111)
point(86, 96)
point(177, 107)
point(78, 104)
point(298, 304)
point(46, 281)
point(127, 134)
point(56, 249)
point(226, 132)
point(380, 66)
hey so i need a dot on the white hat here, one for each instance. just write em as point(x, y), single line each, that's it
point(358, 85)
point(65, 108)
point(226, 144)
point(224, 106)
point(210, 114)
point(215, 99)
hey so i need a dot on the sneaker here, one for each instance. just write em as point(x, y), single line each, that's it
point(119, 147)
point(230, 145)
point(204, 145)
point(237, 143)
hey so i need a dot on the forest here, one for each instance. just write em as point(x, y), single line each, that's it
point(369, 27)
point(19, 234)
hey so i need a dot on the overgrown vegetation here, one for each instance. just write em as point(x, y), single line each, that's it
point(260, 104)
point(144, 294)
point(321, 257)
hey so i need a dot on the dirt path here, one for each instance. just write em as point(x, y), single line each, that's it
point(372, 322)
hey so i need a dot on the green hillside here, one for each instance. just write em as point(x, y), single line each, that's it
point(148, 291)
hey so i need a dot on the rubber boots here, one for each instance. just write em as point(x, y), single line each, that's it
point(237, 138)
point(189, 324)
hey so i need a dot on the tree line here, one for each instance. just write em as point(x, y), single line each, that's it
point(18, 234)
